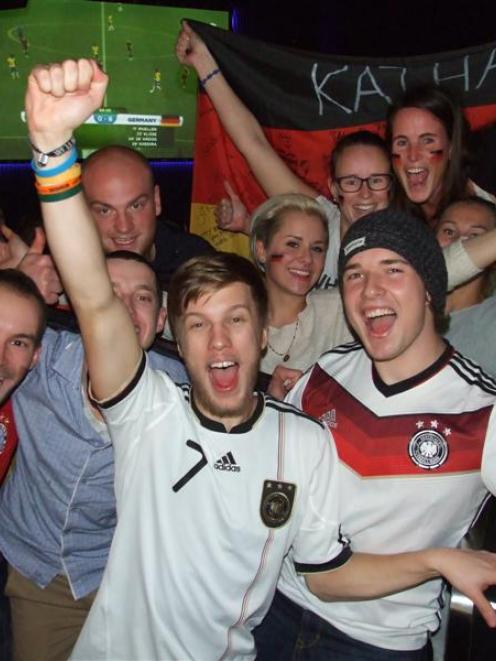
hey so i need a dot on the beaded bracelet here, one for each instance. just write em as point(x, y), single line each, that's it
point(204, 81)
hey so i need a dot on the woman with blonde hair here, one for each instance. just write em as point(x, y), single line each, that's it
point(289, 240)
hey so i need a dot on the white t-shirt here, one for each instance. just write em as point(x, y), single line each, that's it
point(321, 326)
point(410, 456)
point(194, 562)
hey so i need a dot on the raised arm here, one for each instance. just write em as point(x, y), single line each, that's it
point(271, 172)
point(59, 98)
point(466, 259)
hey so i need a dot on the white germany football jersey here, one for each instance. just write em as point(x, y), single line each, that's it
point(410, 457)
point(205, 519)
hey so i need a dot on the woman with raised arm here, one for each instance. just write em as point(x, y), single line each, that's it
point(360, 172)
point(355, 163)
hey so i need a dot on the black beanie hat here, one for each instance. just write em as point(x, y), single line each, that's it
point(409, 237)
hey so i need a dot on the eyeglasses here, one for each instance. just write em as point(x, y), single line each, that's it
point(352, 183)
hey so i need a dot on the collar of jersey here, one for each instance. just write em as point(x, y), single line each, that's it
point(243, 427)
point(395, 388)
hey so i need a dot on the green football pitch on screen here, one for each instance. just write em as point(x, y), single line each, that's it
point(151, 100)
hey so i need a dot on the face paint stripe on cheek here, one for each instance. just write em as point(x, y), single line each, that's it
point(276, 257)
point(438, 154)
point(395, 156)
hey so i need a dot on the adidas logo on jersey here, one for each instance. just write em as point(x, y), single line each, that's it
point(329, 419)
point(227, 463)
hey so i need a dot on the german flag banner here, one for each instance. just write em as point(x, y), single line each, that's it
point(305, 102)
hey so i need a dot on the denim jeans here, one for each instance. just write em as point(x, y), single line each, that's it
point(291, 633)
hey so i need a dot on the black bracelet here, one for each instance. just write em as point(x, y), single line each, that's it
point(43, 157)
point(204, 81)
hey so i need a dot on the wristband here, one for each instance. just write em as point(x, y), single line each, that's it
point(58, 188)
point(204, 81)
point(43, 157)
point(57, 170)
point(61, 196)
point(71, 173)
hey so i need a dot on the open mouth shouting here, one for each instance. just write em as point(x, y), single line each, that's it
point(379, 321)
point(416, 176)
point(224, 375)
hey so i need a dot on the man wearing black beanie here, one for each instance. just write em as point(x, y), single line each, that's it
point(409, 416)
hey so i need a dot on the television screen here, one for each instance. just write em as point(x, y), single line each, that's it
point(151, 101)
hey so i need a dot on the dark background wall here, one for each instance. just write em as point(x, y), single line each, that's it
point(348, 27)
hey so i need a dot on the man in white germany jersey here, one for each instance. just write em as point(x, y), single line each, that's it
point(409, 416)
point(199, 544)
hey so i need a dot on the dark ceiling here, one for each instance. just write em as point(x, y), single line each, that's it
point(354, 27)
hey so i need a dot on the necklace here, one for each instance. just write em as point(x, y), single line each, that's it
point(285, 354)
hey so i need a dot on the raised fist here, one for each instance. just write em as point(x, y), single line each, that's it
point(60, 97)
point(191, 50)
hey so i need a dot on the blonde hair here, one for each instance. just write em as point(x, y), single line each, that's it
point(208, 274)
point(267, 218)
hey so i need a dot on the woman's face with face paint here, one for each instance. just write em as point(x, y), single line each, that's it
point(362, 161)
point(295, 256)
point(420, 153)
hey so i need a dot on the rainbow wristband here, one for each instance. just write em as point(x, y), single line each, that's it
point(57, 197)
point(40, 172)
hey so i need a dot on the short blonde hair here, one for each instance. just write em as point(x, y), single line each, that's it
point(268, 217)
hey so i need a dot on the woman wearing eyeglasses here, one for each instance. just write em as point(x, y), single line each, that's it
point(360, 181)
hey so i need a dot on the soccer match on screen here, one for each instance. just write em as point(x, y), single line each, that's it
point(151, 101)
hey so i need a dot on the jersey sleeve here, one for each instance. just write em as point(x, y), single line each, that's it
point(319, 545)
point(172, 366)
point(147, 398)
